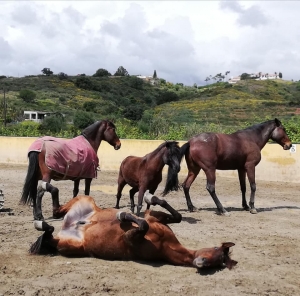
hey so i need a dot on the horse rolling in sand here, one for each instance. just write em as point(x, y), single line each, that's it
point(145, 173)
point(89, 231)
point(65, 159)
point(237, 151)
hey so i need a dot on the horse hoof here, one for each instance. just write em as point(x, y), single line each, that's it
point(253, 211)
point(246, 208)
point(225, 213)
point(121, 216)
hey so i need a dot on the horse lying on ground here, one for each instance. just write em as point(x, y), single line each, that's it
point(238, 151)
point(142, 173)
point(117, 235)
point(65, 159)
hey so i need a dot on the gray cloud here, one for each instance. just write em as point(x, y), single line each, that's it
point(5, 49)
point(252, 16)
point(24, 14)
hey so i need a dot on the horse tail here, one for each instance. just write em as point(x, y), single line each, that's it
point(45, 244)
point(183, 149)
point(30, 186)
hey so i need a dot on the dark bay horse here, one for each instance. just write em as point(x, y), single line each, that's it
point(238, 151)
point(110, 234)
point(65, 159)
point(142, 173)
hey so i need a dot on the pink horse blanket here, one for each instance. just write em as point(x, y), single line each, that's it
point(71, 158)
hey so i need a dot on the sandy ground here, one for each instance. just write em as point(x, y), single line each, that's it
point(267, 244)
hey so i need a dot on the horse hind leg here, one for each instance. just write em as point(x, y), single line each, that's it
point(173, 217)
point(135, 235)
point(121, 184)
point(242, 179)
point(192, 174)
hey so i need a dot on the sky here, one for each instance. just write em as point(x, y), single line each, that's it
point(184, 41)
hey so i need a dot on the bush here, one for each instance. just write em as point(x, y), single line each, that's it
point(83, 119)
point(84, 82)
point(27, 95)
point(53, 124)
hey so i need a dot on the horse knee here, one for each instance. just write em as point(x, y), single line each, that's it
point(253, 187)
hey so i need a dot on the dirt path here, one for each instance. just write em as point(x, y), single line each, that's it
point(267, 245)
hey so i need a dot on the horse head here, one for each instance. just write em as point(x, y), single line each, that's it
point(279, 135)
point(110, 135)
point(214, 257)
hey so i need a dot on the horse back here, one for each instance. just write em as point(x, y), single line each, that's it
point(224, 151)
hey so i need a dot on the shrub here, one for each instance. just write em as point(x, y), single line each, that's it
point(53, 124)
point(27, 95)
point(83, 119)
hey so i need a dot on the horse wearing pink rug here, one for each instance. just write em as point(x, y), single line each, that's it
point(57, 159)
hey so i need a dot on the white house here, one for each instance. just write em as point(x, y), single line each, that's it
point(36, 116)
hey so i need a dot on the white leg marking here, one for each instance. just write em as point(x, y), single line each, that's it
point(38, 225)
point(148, 197)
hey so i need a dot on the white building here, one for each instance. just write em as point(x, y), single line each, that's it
point(36, 116)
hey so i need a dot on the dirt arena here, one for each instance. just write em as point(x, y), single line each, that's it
point(267, 244)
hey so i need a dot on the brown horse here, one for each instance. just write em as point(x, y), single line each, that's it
point(142, 173)
point(89, 231)
point(62, 159)
point(238, 151)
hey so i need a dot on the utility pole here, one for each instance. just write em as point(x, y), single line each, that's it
point(5, 90)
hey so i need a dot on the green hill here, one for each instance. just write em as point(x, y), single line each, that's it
point(164, 110)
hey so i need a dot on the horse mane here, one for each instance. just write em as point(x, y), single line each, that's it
point(91, 131)
point(172, 145)
point(258, 126)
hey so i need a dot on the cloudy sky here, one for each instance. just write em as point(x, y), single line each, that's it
point(184, 41)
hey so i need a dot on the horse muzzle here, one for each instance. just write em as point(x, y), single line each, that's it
point(117, 146)
point(287, 146)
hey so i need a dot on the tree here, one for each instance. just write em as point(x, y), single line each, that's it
point(207, 79)
point(280, 75)
point(62, 76)
point(47, 71)
point(27, 95)
point(245, 76)
point(84, 82)
point(154, 75)
point(102, 73)
point(121, 72)
point(133, 112)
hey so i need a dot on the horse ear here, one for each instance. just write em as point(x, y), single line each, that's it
point(229, 263)
point(277, 121)
point(227, 245)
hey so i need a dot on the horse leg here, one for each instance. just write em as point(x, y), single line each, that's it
point(140, 200)
point(76, 187)
point(192, 174)
point(132, 192)
point(42, 187)
point(164, 218)
point(251, 178)
point(151, 191)
point(121, 184)
point(135, 235)
point(242, 178)
point(37, 204)
point(210, 186)
point(87, 189)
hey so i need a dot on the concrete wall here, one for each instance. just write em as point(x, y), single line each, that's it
point(276, 164)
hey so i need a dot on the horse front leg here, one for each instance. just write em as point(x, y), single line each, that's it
point(164, 218)
point(46, 186)
point(251, 178)
point(76, 187)
point(135, 235)
point(211, 188)
point(121, 184)
point(87, 189)
point(242, 179)
point(139, 206)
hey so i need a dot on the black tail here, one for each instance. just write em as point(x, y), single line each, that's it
point(44, 243)
point(30, 186)
point(183, 149)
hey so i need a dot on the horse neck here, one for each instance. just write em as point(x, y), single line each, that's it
point(180, 255)
point(95, 143)
point(157, 156)
point(264, 135)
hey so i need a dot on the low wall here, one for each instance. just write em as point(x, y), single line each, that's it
point(276, 164)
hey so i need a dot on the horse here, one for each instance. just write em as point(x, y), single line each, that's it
point(64, 159)
point(142, 173)
point(239, 151)
point(110, 234)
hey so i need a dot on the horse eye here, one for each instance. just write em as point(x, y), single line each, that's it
point(216, 248)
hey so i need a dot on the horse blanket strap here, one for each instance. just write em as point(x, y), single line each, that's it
point(69, 157)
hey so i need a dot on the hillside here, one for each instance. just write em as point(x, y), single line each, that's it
point(164, 110)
